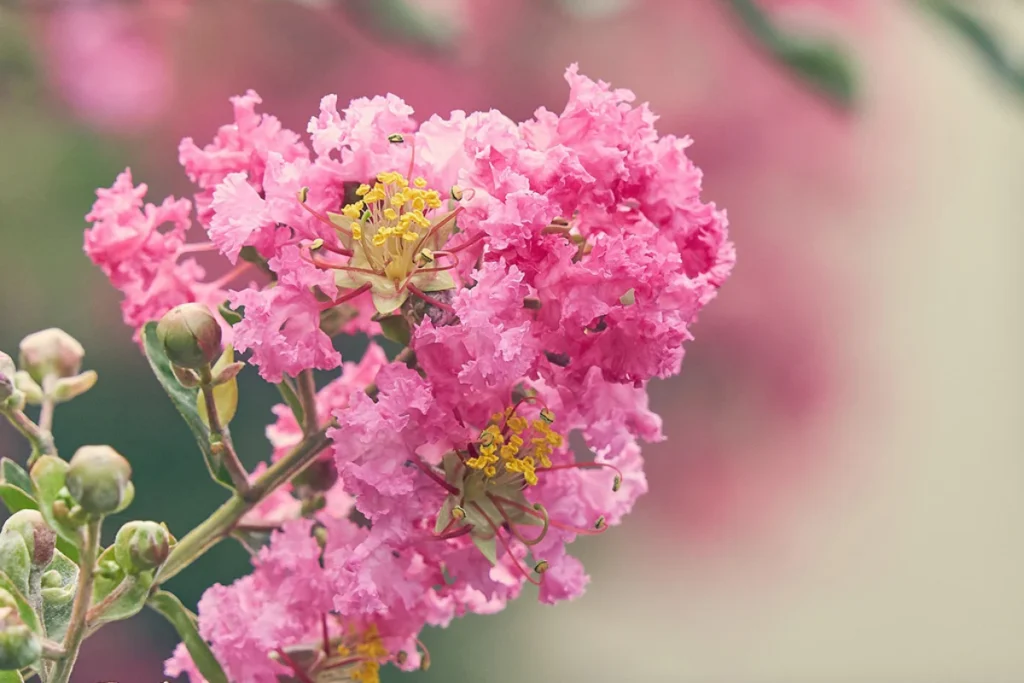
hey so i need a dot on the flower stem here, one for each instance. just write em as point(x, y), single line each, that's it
point(223, 520)
point(307, 396)
point(83, 595)
point(217, 436)
point(40, 439)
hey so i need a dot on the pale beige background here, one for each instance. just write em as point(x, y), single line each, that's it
point(907, 565)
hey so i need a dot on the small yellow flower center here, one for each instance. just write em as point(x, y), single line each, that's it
point(511, 445)
point(372, 652)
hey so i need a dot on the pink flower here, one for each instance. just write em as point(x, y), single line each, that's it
point(180, 664)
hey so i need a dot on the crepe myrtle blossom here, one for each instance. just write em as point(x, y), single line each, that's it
point(539, 274)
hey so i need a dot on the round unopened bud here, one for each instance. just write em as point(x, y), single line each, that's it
point(8, 390)
point(50, 352)
point(190, 336)
point(320, 476)
point(98, 479)
point(51, 579)
point(141, 546)
point(39, 538)
point(19, 646)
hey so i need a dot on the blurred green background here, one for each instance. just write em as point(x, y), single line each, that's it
point(841, 496)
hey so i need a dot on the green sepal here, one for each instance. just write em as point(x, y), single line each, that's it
point(58, 600)
point(225, 396)
point(396, 328)
point(128, 603)
point(230, 315)
point(170, 607)
point(184, 401)
point(487, 546)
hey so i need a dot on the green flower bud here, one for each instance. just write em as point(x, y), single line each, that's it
point(98, 479)
point(190, 336)
point(50, 352)
point(51, 579)
point(141, 546)
point(10, 396)
point(39, 538)
point(19, 646)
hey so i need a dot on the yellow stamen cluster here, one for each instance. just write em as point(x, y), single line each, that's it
point(394, 208)
point(372, 651)
point(517, 447)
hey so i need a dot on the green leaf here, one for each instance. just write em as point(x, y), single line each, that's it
point(12, 473)
point(403, 22)
point(230, 315)
point(25, 611)
point(133, 598)
point(823, 64)
point(15, 559)
point(59, 600)
point(185, 401)
point(981, 38)
point(15, 499)
point(171, 608)
point(11, 677)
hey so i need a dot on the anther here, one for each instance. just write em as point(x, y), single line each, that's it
point(599, 524)
point(316, 244)
point(303, 194)
point(457, 193)
point(547, 415)
point(458, 513)
point(616, 484)
point(541, 567)
point(532, 303)
point(396, 138)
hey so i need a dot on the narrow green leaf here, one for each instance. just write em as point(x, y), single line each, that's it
point(13, 473)
point(185, 401)
point(59, 600)
point(823, 64)
point(171, 608)
point(25, 610)
point(128, 603)
point(230, 315)
point(15, 499)
point(982, 38)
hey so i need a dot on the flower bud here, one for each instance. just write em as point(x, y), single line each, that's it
point(320, 476)
point(98, 479)
point(39, 538)
point(51, 579)
point(190, 336)
point(50, 352)
point(141, 546)
point(19, 646)
point(10, 395)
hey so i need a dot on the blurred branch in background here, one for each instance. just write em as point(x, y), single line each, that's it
point(821, 63)
point(981, 38)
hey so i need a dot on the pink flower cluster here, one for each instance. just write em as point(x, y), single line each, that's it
point(542, 273)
